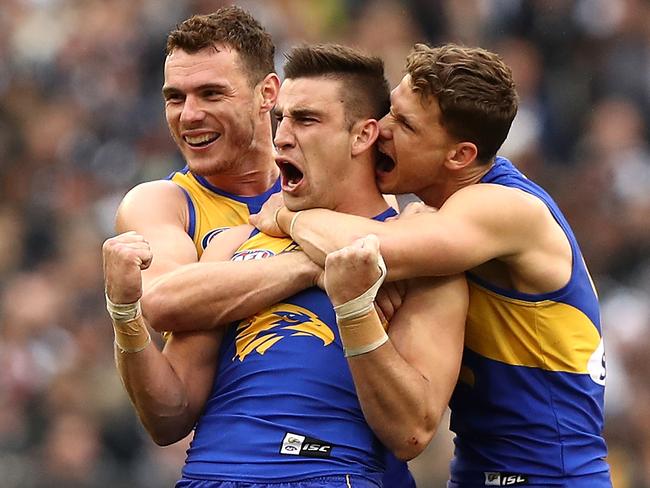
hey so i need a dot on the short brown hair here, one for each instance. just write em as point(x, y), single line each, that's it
point(366, 93)
point(474, 89)
point(232, 27)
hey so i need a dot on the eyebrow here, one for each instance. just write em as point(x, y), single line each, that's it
point(219, 87)
point(402, 118)
point(298, 112)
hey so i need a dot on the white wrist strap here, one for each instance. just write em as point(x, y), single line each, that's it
point(293, 223)
point(362, 304)
point(123, 311)
point(358, 351)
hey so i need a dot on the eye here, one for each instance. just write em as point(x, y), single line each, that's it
point(212, 94)
point(406, 125)
point(278, 117)
point(174, 98)
point(403, 122)
point(400, 120)
point(307, 120)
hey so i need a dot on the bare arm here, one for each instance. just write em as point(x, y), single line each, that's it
point(207, 294)
point(158, 211)
point(404, 385)
point(475, 225)
point(169, 389)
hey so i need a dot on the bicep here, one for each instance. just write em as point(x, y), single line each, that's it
point(471, 228)
point(158, 211)
point(223, 246)
point(428, 329)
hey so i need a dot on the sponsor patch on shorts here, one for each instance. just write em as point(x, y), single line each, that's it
point(300, 445)
point(495, 478)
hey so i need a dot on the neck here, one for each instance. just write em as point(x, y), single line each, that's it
point(247, 182)
point(360, 195)
point(363, 207)
point(438, 193)
point(254, 173)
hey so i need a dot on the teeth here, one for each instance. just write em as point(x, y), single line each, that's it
point(200, 139)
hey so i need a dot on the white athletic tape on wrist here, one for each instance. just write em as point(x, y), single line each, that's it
point(275, 218)
point(293, 223)
point(133, 351)
point(131, 336)
point(358, 351)
point(123, 311)
point(362, 304)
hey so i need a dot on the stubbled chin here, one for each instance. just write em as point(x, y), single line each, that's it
point(292, 202)
point(208, 166)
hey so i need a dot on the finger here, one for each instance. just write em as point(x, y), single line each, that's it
point(383, 302)
point(130, 236)
point(392, 295)
point(146, 261)
point(400, 287)
point(370, 242)
point(130, 247)
point(381, 315)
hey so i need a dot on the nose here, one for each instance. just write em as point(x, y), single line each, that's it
point(192, 110)
point(283, 134)
point(385, 132)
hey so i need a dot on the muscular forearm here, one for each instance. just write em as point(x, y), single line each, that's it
point(320, 232)
point(421, 245)
point(205, 295)
point(397, 401)
point(157, 393)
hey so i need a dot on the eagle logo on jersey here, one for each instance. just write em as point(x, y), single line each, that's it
point(283, 320)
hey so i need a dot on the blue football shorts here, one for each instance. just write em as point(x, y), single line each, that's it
point(345, 481)
point(598, 480)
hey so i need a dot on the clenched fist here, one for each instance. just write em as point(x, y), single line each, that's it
point(125, 256)
point(265, 220)
point(352, 270)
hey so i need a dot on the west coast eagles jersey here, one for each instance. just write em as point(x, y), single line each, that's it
point(212, 210)
point(529, 400)
point(283, 405)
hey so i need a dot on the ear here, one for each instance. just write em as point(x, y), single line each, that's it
point(268, 89)
point(364, 134)
point(461, 155)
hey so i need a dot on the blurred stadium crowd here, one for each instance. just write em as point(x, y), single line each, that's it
point(81, 121)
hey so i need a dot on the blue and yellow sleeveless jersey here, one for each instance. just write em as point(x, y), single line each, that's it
point(212, 210)
point(530, 394)
point(283, 406)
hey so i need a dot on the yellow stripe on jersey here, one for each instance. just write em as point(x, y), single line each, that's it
point(212, 212)
point(262, 242)
point(548, 335)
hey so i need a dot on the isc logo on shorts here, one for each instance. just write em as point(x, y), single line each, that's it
point(300, 445)
point(504, 479)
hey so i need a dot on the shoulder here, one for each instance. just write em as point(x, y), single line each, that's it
point(158, 189)
point(153, 202)
point(498, 200)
